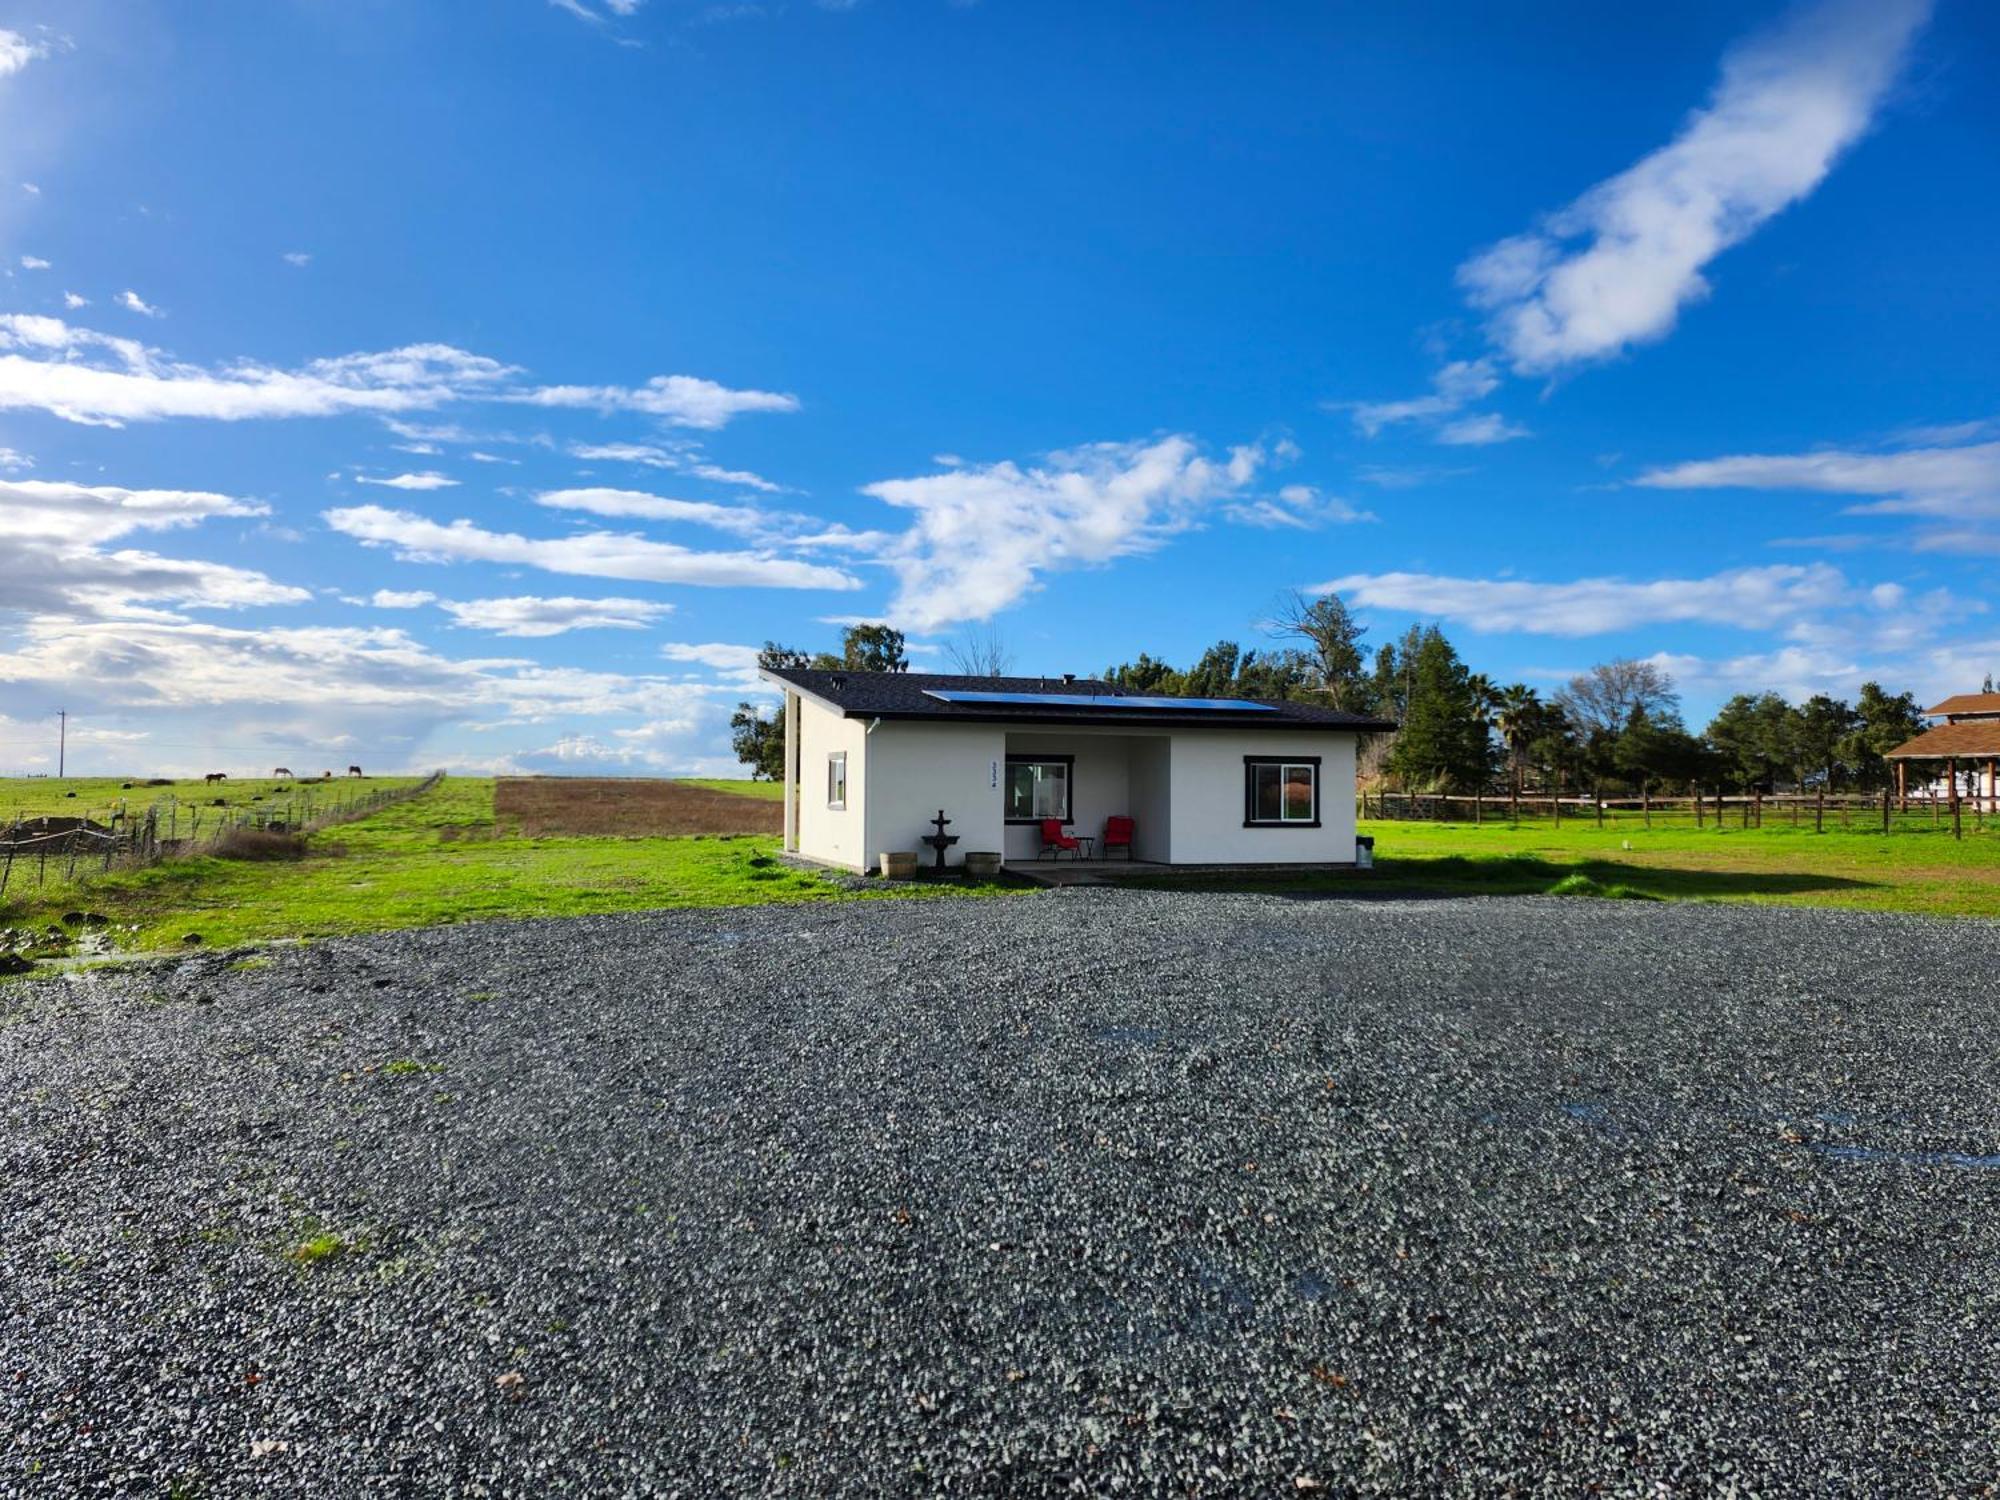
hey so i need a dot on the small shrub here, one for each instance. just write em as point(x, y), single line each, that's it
point(258, 844)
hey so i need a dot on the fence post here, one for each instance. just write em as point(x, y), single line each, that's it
point(1597, 792)
point(1646, 802)
point(1819, 812)
point(1957, 823)
point(1885, 809)
point(1758, 798)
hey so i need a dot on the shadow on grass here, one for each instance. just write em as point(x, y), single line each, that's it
point(1520, 875)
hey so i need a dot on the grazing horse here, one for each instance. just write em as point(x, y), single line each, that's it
point(281, 771)
point(214, 776)
point(354, 770)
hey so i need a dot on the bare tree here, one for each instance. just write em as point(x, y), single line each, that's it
point(1606, 696)
point(1333, 644)
point(979, 651)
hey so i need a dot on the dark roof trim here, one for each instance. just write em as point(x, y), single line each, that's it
point(903, 696)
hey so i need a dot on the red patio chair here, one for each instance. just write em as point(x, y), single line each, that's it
point(1117, 835)
point(1054, 838)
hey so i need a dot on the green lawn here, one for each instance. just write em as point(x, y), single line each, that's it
point(437, 859)
point(764, 791)
point(1914, 869)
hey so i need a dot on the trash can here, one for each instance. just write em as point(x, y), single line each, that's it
point(1364, 851)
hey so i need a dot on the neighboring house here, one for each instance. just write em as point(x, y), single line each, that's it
point(1961, 756)
point(872, 757)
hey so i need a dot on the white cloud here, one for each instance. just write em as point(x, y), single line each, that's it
point(428, 480)
point(1457, 385)
point(981, 537)
point(401, 598)
point(736, 662)
point(681, 400)
point(51, 511)
point(138, 384)
point(133, 302)
point(55, 532)
point(298, 258)
point(682, 459)
point(1960, 483)
point(599, 554)
point(72, 301)
point(528, 615)
point(16, 52)
point(1616, 266)
point(1298, 507)
point(637, 505)
point(14, 458)
point(1746, 598)
point(33, 263)
point(1478, 431)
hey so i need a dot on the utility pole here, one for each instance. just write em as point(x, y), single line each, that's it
point(62, 742)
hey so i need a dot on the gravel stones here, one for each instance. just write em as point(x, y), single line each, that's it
point(1094, 1191)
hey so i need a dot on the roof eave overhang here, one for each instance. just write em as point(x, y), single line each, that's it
point(1098, 720)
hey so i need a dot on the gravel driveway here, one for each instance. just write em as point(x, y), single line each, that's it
point(1086, 1192)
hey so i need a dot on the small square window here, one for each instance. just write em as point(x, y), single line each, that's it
point(836, 780)
point(1280, 793)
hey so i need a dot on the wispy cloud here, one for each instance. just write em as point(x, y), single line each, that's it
point(131, 301)
point(1616, 266)
point(599, 554)
point(1961, 483)
point(34, 263)
point(1454, 387)
point(299, 258)
point(1746, 598)
point(532, 616)
point(1296, 507)
point(401, 598)
point(1478, 432)
point(428, 480)
point(637, 505)
point(684, 459)
point(680, 400)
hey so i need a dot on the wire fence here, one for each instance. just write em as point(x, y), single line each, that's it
point(45, 849)
point(1881, 812)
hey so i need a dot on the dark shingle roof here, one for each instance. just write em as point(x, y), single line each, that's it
point(903, 695)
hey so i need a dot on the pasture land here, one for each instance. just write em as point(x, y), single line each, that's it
point(440, 857)
point(627, 807)
point(99, 798)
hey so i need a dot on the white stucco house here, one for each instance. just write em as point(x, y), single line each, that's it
point(872, 757)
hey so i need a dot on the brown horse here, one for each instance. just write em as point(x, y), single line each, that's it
point(354, 770)
point(281, 771)
point(214, 776)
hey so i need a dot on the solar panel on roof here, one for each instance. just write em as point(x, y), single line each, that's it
point(1103, 701)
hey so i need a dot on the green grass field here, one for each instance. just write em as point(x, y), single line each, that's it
point(97, 797)
point(435, 859)
point(767, 791)
point(1915, 869)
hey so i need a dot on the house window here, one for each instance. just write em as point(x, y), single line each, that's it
point(1280, 793)
point(1038, 787)
point(836, 780)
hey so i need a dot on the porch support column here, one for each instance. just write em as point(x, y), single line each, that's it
point(791, 772)
point(1986, 787)
point(1902, 786)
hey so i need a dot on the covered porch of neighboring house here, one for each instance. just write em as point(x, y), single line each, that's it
point(1082, 779)
point(1954, 764)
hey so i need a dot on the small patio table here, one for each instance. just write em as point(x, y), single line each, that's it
point(1089, 845)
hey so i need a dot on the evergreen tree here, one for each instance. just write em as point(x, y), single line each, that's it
point(1443, 743)
point(1753, 735)
point(1883, 722)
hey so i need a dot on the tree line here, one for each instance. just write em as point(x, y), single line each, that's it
point(1616, 727)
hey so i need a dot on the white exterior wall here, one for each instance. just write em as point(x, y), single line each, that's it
point(1207, 790)
point(830, 836)
point(914, 769)
point(1151, 781)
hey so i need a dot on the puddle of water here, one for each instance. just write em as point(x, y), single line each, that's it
point(1960, 1159)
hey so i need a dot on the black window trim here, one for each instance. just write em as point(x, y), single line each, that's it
point(1031, 759)
point(1250, 818)
point(836, 757)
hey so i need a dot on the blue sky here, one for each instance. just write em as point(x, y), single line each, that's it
point(478, 383)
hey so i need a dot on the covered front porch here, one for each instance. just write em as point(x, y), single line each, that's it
point(1082, 779)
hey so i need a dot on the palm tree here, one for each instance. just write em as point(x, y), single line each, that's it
point(1516, 710)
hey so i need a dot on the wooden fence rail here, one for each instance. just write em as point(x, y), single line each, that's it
point(1881, 811)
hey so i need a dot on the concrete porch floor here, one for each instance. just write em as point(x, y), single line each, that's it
point(1083, 871)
